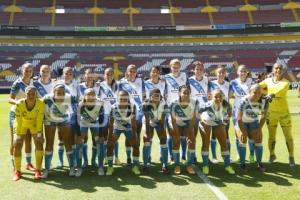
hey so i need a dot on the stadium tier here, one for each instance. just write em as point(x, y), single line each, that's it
point(146, 13)
point(10, 61)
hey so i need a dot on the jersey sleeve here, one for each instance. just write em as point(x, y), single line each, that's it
point(14, 88)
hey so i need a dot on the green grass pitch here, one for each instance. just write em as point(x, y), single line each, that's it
point(279, 182)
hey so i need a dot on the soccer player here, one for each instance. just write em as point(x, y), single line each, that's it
point(278, 112)
point(154, 109)
point(251, 118)
point(90, 113)
point(71, 88)
point(212, 120)
point(123, 120)
point(89, 82)
point(220, 84)
point(135, 87)
point(58, 111)
point(17, 92)
point(238, 88)
point(155, 82)
point(108, 94)
point(199, 85)
point(174, 80)
point(29, 120)
point(44, 85)
point(183, 116)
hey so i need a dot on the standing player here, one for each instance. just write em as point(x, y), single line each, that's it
point(223, 85)
point(155, 83)
point(212, 120)
point(183, 117)
point(278, 112)
point(238, 88)
point(108, 94)
point(135, 87)
point(44, 84)
point(58, 109)
point(123, 120)
point(29, 120)
point(251, 107)
point(174, 80)
point(154, 109)
point(90, 114)
point(199, 91)
point(89, 82)
point(17, 92)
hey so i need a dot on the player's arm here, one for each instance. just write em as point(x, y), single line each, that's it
point(13, 92)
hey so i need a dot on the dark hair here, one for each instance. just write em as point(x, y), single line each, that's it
point(197, 63)
point(155, 91)
point(183, 87)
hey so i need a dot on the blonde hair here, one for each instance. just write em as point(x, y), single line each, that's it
point(175, 62)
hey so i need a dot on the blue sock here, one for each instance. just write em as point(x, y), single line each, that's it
point(170, 146)
point(105, 148)
point(191, 156)
point(251, 146)
point(128, 152)
point(79, 152)
point(176, 157)
point(237, 144)
point(100, 153)
point(258, 152)
point(226, 158)
point(110, 160)
point(136, 160)
point(74, 162)
point(48, 159)
point(94, 154)
point(183, 144)
point(150, 149)
point(70, 156)
point(61, 151)
point(146, 153)
point(205, 158)
point(85, 152)
point(164, 154)
point(242, 153)
point(213, 144)
point(116, 150)
point(228, 145)
point(28, 158)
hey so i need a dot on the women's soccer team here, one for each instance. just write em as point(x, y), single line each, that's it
point(173, 106)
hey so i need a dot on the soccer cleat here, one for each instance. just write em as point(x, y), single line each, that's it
point(85, 164)
point(177, 170)
point(190, 170)
point(110, 171)
point(72, 171)
point(128, 161)
point(78, 172)
point(146, 170)
point(101, 171)
point(251, 159)
point(291, 162)
point(30, 167)
point(45, 173)
point(94, 163)
point(243, 168)
point(117, 161)
point(17, 175)
point(165, 170)
point(261, 168)
point(205, 170)
point(214, 161)
point(272, 158)
point(229, 170)
point(136, 170)
point(37, 175)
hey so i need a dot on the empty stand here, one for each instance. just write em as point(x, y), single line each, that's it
point(32, 19)
point(151, 20)
point(272, 16)
point(230, 17)
point(74, 20)
point(192, 19)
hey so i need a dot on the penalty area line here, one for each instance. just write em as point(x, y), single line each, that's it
point(219, 194)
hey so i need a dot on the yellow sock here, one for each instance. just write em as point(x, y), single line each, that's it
point(18, 162)
point(272, 139)
point(287, 131)
point(38, 159)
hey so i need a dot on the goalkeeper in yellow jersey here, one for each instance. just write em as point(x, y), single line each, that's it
point(29, 119)
point(277, 88)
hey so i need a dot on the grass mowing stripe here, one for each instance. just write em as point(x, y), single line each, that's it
point(219, 194)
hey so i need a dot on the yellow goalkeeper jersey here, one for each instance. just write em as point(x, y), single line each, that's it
point(279, 89)
point(31, 120)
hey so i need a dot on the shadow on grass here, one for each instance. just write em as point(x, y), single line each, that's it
point(277, 173)
point(121, 180)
